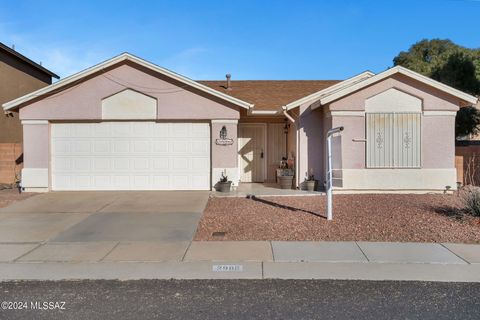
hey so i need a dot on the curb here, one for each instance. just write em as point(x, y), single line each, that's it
point(239, 270)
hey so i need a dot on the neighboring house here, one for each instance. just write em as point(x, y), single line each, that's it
point(127, 124)
point(467, 158)
point(18, 76)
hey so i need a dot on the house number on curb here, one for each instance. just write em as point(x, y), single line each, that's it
point(227, 268)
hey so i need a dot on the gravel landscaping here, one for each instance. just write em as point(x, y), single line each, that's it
point(9, 196)
point(360, 217)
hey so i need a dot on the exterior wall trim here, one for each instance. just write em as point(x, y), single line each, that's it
point(30, 122)
point(264, 112)
point(345, 113)
point(225, 121)
point(439, 113)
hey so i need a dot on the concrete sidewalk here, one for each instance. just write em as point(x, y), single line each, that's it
point(240, 260)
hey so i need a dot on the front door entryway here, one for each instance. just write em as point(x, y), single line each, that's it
point(252, 151)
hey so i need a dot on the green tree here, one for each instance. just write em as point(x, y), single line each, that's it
point(449, 63)
point(467, 121)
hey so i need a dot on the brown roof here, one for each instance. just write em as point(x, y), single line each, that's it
point(270, 94)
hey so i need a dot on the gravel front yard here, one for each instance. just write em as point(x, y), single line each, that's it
point(361, 217)
point(9, 196)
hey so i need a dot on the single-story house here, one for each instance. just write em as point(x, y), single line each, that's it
point(128, 124)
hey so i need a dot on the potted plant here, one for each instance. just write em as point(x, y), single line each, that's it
point(223, 185)
point(285, 178)
point(310, 183)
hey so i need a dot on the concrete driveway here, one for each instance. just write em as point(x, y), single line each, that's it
point(88, 226)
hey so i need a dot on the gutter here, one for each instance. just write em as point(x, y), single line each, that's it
point(287, 115)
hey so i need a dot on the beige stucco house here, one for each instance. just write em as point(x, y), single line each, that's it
point(127, 124)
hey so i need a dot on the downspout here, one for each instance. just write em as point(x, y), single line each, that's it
point(287, 115)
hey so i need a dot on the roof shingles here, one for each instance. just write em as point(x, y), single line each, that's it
point(270, 94)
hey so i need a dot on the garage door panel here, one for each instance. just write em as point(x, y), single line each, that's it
point(102, 146)
point(141, 164)
point(61, 147)
point(131, 156)
point(200, 163)
point(161, 164)
point(179, 147)
point(102, 164)
point(199, 130)
point(141, 146)
point(199, 147)
point(142, 129)
point(64, 164)
point(121, 146)
point(179, 164)
point(180, 130)
point(180, 181)
point(160, 146)
point(82, 164)
point(121, 180)
point(199, 180)
point(161, 131)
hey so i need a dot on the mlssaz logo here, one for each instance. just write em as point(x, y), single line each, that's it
point(47, 305)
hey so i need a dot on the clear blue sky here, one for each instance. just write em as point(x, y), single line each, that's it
point(250, 39)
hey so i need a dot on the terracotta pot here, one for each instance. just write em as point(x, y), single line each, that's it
point(310, 185)
point(285, 182)
point(224, 186)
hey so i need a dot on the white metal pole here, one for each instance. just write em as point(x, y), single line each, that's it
point(330, 133)
point(329, 178)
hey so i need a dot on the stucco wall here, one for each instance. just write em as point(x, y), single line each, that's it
point(438, 138)
point(438, 147)
point(36, 145)
point(83, 101)
point(224, 155)
point(311, 143)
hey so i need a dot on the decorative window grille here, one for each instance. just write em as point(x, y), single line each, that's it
point(393, 140)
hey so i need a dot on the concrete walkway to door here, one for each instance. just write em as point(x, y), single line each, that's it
point(88, 226)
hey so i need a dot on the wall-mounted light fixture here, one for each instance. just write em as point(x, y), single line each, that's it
point(286, 126)
point(223, 133)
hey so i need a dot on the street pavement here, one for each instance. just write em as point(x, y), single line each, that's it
point(243, 299)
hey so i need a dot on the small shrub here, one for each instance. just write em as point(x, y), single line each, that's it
point(471, 200)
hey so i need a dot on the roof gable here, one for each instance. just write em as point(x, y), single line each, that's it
point(392, 71)
point(60, 85)
point(330, 89)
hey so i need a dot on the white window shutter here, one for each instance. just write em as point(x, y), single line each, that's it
point(407, 140)
point(393, 140)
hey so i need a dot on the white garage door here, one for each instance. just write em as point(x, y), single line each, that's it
point(130, 156)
